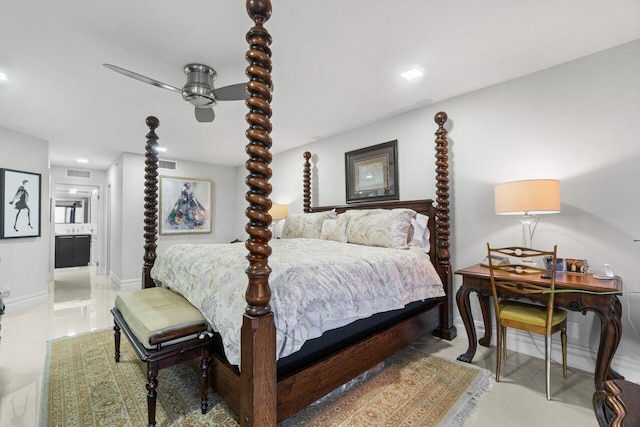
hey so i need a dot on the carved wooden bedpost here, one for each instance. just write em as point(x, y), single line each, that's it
point(446, 329)
point(306, 183)
point(150, 201)
point(258, 355)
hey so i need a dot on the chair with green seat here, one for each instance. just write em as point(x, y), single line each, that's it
point(524, 283)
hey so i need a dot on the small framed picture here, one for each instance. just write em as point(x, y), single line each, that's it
point(560, 265)
point(576, 265)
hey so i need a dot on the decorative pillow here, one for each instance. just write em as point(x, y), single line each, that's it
point(380, 227)
point(421, 233)
point(335, 229)
point(307, 225)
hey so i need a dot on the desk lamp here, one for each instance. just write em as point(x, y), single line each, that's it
point(528, 199)
point(278, 213)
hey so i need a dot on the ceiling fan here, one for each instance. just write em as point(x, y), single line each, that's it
point(198, 90)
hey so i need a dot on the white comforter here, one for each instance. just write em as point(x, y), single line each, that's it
point(316, 285)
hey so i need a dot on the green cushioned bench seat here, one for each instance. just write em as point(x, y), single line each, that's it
point(159, 315)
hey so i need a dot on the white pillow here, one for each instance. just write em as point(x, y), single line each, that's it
point(306, 225)
point(421, 233)
point(335, 229)
point(380, 227)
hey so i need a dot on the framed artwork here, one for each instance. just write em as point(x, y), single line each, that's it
point(372, 173)
point(560, 266)
point(577, 265)
point(20, 194)
point(185, 205)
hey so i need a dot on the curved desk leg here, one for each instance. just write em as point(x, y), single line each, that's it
point(462, 298)
point(610, 334)
point(464, 306)
point(485, 341)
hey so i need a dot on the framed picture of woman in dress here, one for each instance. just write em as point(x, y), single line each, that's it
point(185, 205)
point(20, 198)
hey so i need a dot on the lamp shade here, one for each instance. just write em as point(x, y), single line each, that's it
point(535, 196)
point(278, 212)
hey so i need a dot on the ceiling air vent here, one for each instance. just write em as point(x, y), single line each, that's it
point(167, 164)
point(77, 173)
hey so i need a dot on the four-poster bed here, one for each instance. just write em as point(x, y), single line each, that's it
point(261, 389)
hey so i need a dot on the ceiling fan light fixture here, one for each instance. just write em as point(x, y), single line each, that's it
point(198, 90)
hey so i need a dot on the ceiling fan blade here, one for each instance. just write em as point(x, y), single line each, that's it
point(205, 115)
point(237, 92)
point(142, 78)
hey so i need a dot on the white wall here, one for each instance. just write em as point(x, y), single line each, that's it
point(115, 218)
point(224, 214)
point(576, 122)
point(25, 261)
point(126, 178)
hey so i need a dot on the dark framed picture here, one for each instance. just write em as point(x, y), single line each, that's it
point(20, 196)
point(185, 205)
point(560, 266)
point(372, 173)
point(577, 265)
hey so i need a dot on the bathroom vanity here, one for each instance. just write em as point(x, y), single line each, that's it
point(73, 250)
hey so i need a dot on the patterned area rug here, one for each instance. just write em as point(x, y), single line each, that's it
point(83, 386)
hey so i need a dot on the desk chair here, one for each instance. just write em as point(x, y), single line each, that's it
point(539, 319)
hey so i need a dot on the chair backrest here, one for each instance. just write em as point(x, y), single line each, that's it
point(516, 263)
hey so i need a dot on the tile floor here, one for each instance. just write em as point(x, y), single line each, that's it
point(80, 302)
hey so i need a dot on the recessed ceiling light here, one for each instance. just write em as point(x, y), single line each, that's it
point(161, 149)
point(3, 77)
point(82, 160)
point(73, 191)
point(413, 73)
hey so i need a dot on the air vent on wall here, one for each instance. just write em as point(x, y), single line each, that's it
point(77, 173)
point(167, 164)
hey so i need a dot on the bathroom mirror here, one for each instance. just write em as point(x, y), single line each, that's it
point(72, 211)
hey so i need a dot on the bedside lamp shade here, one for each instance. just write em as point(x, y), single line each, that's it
point(278, 212)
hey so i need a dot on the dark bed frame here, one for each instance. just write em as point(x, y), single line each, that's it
point(262, 391)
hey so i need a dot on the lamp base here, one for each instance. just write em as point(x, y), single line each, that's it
point(527, 233)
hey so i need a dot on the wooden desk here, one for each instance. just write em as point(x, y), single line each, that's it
point(606, 306)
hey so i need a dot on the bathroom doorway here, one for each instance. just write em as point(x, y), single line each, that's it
point(78, 227)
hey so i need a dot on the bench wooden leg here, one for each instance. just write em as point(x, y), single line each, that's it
point(152, 384)
point(204, 378)
point(116, 338)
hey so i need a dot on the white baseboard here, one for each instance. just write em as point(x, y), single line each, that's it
point(26, 301)
point(119, 284)
point(578, 356)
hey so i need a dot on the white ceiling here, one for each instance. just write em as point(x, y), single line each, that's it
point(336, 64)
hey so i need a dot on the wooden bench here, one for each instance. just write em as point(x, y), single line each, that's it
point(163, 329)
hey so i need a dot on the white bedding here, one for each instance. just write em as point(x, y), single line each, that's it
point(316, 285)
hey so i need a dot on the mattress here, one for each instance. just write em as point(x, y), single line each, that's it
point(317, 285)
